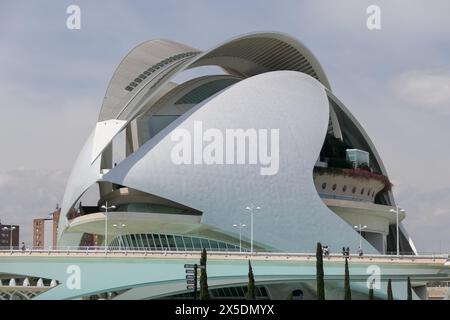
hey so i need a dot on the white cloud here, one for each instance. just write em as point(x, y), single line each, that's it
point(427, 89)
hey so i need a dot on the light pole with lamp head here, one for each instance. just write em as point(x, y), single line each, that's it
point(105, 206)
point(120, 226)
point(360, 228)
point(251, 209)
point(397, 212)
point(240, 226)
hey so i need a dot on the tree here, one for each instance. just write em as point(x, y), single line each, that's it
point(348, 292)
point(204, 293)
point(390, 296)
point(409, 289)
point(250, 295)
point(371, 295)
point(319, 273)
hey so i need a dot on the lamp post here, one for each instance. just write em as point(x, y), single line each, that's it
point(360, 228)
point(120, 226)
point(397, 211)
point(240, 226)
point(10, 229)
point(105, 206)
point(251, 209)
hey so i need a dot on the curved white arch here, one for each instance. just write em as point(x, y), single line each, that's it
point(132, 65)
point(259, 52)
point(283, 53)
point(84, 174)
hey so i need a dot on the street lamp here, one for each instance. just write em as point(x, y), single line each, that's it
point(10, 229)
point(397, 211)
point(360, 228)
point(252, 209)
point(105, 206)
point(240, 226)
point(122, 225)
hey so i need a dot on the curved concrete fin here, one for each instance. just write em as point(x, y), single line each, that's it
point(105, 131)
point(291, 102)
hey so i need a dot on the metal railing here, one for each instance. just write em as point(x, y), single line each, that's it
point(233, 250)
point(101, 250)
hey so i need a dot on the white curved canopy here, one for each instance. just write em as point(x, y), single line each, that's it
point(292, 102)
point(134, 64)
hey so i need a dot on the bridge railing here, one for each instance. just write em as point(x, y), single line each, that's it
point(101, 250)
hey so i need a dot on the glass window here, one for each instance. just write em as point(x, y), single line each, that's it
point(179, 242)
point(362, 191)
point(324, 185)
point(141, 240)
point(164, 242)
point(334, 187)
point(263, 291)
point(158, 245)
point(197, 244)
point(344, 188)
point(188, 242)
point(128, 241)
point(214, 245)
point(205, 244)
point(354, 190)
point(234, 292)
point(133, 242)
point(150, 241)
point(222, 246)
point(227, 292)
point(171, 242)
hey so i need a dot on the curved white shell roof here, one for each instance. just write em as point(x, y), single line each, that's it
point(294, 99)
point(292, 102)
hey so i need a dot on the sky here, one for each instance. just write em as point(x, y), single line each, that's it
point(396, 82)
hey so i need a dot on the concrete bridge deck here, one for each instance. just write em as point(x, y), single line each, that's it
point(152, 274)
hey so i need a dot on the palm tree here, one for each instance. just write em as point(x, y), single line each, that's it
point(390, 296)
point(250, 295)
point(204, 293)
point(348, 292)
point(319, 273)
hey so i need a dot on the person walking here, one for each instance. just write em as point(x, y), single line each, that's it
point(360, 252)
point(326, 253)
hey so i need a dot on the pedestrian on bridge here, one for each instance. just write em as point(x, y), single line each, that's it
point(360, 252)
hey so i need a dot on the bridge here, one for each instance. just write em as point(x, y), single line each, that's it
point(138, 274)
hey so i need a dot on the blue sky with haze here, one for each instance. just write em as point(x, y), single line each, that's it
point(396, 81)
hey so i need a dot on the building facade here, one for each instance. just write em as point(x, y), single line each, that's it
point(243, 147)
point(265, 81)
point(38, 233)
point(39, 230)
point(9, 236)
